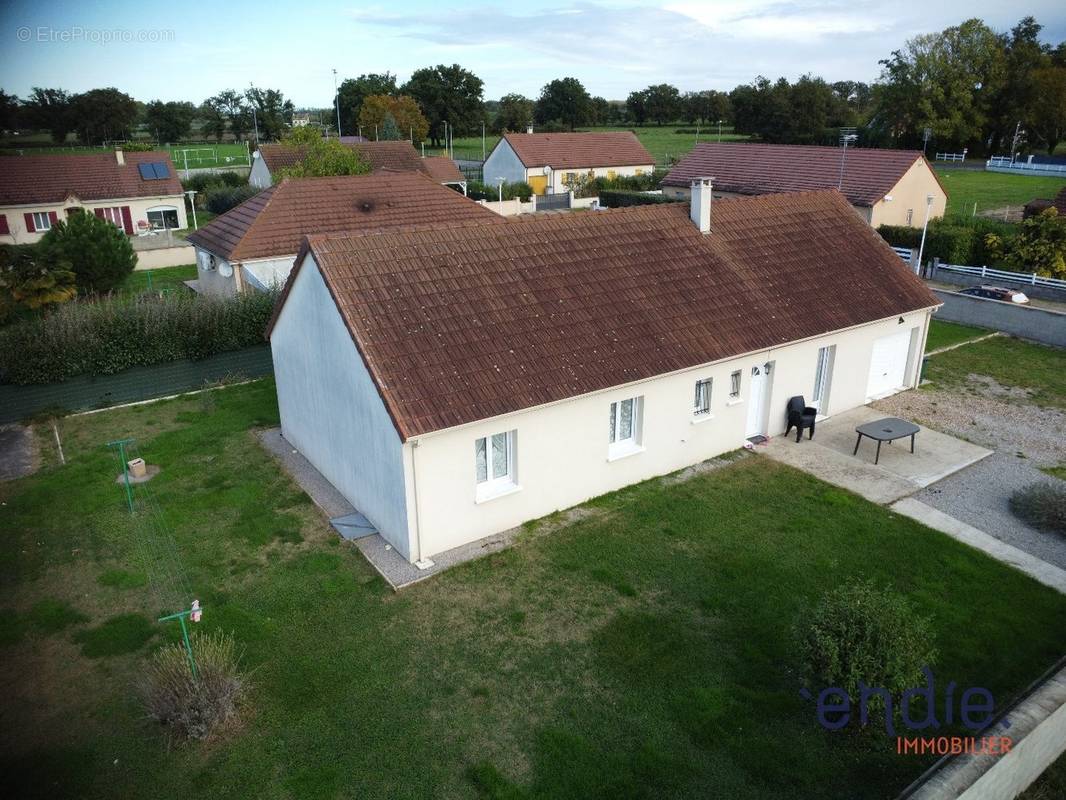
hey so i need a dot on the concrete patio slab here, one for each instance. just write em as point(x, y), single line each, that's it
point(899, 472)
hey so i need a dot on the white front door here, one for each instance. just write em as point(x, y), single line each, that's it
point(758, 392)
point(888, 364)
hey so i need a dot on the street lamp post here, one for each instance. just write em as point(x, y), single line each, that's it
point(720, 131)
point(255, 121)
point(499, 183)
point(191, 194)
point(337, 102)
point(925, 226)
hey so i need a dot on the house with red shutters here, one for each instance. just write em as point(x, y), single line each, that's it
point(138, 192)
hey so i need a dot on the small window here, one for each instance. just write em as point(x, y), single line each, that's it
point(701, 404)
point(625, 427)
point(163, 218)
point(494, 464)
point(41, 221)
point(611, 174)
point(112, 215)
point(734, 386)
point(910, 215)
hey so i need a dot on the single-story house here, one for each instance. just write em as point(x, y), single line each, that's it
point(549, 162)
point(399, 156)
point(886, 187)
point(451, 386)
point(253, 245)
point(138, 192)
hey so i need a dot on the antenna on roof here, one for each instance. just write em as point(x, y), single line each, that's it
point(846, 135)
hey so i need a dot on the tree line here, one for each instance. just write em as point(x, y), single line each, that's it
point(968, 86)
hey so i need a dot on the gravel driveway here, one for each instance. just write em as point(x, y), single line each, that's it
point(1024, 438)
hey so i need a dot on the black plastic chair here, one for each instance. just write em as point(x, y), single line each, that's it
point(800, 416)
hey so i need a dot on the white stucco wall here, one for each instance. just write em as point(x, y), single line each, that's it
point(562, 448)
point(139, 206)
point(909, 195)
point(331, 411)
point(264, 271)
point(504, 163)
point(558, 176)
point(259, 175)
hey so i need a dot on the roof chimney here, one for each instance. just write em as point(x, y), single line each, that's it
point(529, 128)
point(700, 204)
point(120, 157)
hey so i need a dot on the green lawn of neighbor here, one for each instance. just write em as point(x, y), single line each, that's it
point(641, 650)
point(993, 189)
point(944, 334)
point(236, 152)
point(1039, 369)
point(162, 279)
point(664, 143)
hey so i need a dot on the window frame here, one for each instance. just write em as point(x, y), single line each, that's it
point(736, 385)
point(823, 376)
point(163, 210)
point(701, 399)
point(495, 486)
point(618, 447)
point(42, 221)
point(113, 214)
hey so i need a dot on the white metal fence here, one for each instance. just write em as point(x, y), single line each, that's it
point(1005, 163)
point(1030, 278)
point(951, 156)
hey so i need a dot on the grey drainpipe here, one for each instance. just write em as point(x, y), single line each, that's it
point(414, 488)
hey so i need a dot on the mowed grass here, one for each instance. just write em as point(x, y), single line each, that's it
point(226, 154)
point(159, 280)
point(1039, 370)
point(945, 334)
point(991, 190)
point(664, 143)
point(643, 650)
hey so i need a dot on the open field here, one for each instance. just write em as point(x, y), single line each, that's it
point(640, 648)
point(991, 190)
point(664, 143)
point(235, 152)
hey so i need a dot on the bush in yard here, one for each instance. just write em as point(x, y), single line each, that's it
point(476, 190)
point(618, 199)
point(108, 335)
point(860, 633)
point(31, 278)
point(207, 180)
point(1042, 505)
point(192, 708)
point(221, 199)
point(99, 253)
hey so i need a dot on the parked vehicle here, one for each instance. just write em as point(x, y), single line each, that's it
point(996, 293)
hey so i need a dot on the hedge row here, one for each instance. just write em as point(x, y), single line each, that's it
point(952, 242)
point(614, 198)
point(102, 337)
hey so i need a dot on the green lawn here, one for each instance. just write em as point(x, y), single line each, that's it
point(226, 154)
point(944, 334)
point(163, 279)
point(1039, 369)
point(993, 189)
point(642, 651)
point(664, 143)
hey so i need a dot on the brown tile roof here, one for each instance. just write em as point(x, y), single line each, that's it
point(579, 150)
point(442, 169)
point(275, 221)
point(869, 174)
point(458, 325)
point(93, 176)
point(381, 155)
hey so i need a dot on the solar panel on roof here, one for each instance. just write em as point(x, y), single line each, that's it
point(153, 170)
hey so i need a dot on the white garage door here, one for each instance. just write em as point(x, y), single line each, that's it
point(888, 364)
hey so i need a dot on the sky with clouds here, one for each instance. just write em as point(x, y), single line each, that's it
point(191, 50)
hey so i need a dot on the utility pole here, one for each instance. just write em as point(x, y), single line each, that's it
point(255, 120)
point(720, 131)
point(482, 141)
point(925, 227)
point(337, 102)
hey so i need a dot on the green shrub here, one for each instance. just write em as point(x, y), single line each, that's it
point(613, 198)
point(194, 707)
point(108, 335)
point(99, 254)
point(206, 180)
point(1042, 505)
point(859, 633)
point(220, 199)
point(901, 235)
point(511, 191)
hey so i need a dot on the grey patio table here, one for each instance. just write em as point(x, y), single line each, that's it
point(885, 430)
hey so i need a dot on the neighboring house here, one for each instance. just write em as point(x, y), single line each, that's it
point(550, 161)
point(886, 187)
point(399, 156)
point(1034, 207)
point(253, 245)
point(455, 382)
point(443, 170)
point(138, 192)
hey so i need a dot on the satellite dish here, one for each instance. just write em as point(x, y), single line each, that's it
point(225, 269)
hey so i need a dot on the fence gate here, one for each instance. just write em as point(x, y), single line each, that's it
point(553, 202)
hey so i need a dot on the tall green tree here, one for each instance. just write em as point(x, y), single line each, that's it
point(601, 111)
point(233, 107)
point(663, 103)
point(321, 157)
point(9, 111)
point(101, 115)
point(50, 110)
point(1017, 99)
point(514, 114)
point(169, 122)
point(1048, 118)
point(448, 94)
point(564, 100)
point(637, 107)
point(212, 120)
point(273, 113)
point(353, 91)
point(98, 252)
